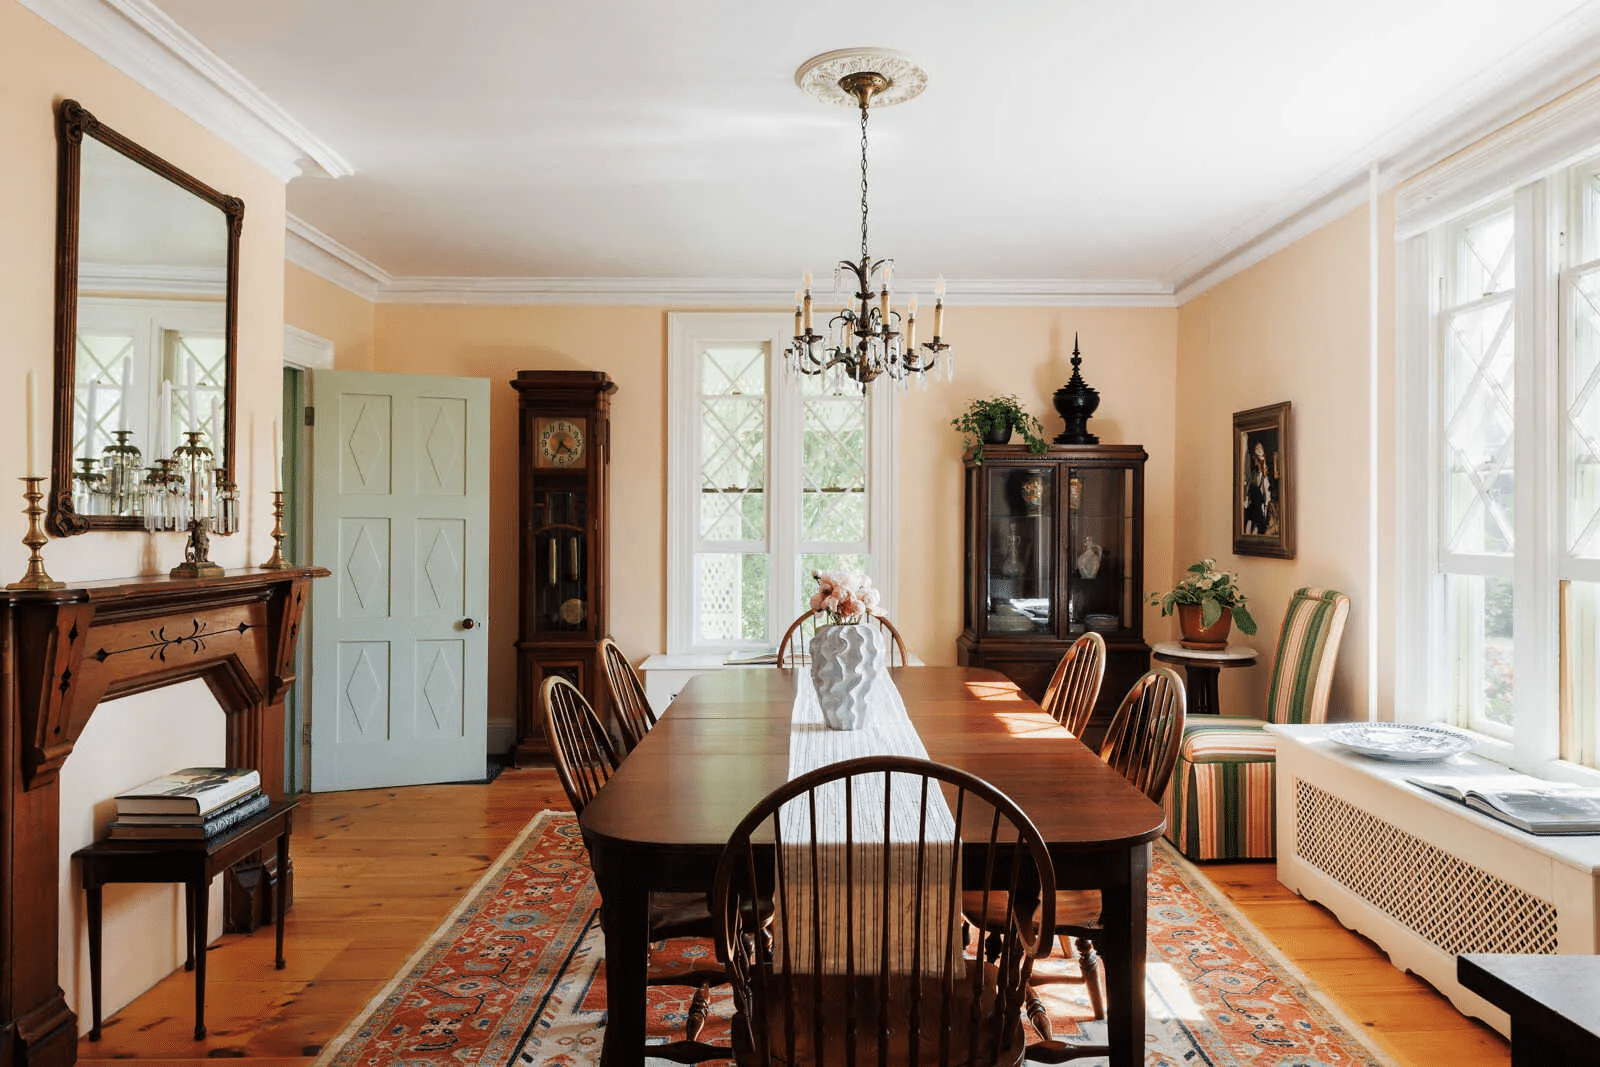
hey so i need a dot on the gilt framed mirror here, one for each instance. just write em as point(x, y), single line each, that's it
point(147, 291)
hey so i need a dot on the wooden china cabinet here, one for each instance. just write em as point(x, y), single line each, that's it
point(564, 446)
point(1055, 547)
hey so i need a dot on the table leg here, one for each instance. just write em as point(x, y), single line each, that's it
point(93, 890)
point(280, 892)
point(625, 919)
point(1202, 689)
point(188, 924)
point(1122, 949)
point(202, 926)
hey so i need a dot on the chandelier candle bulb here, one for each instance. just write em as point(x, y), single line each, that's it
point(808, 302)
point(938, 312)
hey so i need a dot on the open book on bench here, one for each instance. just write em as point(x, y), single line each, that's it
point(1531, 804)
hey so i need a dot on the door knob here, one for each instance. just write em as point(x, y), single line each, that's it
point(467, 624)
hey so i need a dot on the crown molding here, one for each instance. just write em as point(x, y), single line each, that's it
point(139, 39)
point(1562, 58)
point(308, 247)
point(152, 280)
point(756, 292)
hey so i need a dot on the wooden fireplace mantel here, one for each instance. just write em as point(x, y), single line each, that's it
point(62, 652)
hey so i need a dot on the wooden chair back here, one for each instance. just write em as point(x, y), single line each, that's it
point(1075, 685)
point(794, 1004)
point(1142, 744)
point(628, 698)
point(584, 756)
point(795, 648)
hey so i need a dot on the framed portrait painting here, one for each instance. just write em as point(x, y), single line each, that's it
point(1263, 482)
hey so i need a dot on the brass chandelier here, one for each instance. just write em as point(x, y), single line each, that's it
point(869, 338)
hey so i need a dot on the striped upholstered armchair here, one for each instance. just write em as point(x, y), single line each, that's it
point(1220, 805)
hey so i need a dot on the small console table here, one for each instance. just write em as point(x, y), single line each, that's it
point(1200, 667)
point(195, 863)
point(1555, 1017)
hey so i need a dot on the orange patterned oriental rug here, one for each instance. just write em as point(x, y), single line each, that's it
point(516, 976)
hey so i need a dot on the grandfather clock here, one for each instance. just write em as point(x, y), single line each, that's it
point(564, 445)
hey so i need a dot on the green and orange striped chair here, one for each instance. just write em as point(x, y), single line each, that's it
point(1220, 805)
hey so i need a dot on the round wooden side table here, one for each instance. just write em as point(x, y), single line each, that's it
point(1200, 668)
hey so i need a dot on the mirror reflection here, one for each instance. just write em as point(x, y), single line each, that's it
point(150, 362)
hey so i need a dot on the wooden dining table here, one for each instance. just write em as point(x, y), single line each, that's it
point(660, 823)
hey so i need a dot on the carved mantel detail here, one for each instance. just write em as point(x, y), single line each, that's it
point(67, 650)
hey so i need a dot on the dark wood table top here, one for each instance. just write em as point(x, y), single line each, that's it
point(724, 744)
point(1546, 990)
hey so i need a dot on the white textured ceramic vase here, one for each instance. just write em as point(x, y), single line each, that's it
point(846, 663)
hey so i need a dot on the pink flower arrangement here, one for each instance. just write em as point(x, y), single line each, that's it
point(844, 596)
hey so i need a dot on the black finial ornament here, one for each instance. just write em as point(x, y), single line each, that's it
point(1075, 402)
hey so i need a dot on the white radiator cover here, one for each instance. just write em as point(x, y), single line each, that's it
point(1422, 876)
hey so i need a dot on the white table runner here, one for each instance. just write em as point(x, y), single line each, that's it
point(860, 888)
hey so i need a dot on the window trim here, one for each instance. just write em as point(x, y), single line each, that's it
point(1542, 209)
point(687, 332)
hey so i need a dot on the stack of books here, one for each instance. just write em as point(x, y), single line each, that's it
point(195, 803)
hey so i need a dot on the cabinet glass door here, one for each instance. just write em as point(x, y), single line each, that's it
point(1099, 549)
point(1022, 549)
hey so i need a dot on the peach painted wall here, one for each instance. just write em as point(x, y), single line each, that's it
point(1130, 358)
point(316, 305)
point(1294, 327)
point(42, 66)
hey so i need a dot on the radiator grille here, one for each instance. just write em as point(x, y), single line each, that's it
point(1452, 903)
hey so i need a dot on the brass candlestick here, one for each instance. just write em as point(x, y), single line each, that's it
point(278, 562)
point(35, 578)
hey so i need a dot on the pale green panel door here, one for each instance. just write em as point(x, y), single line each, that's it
point(399, 637)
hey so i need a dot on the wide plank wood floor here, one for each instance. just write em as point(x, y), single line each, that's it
point(378, 870)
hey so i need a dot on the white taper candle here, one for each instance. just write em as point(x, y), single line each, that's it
point(194, 404)
point(32, 426)
point(277, 456)
point(125, 398)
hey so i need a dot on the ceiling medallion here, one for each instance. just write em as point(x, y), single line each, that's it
point(865, 341)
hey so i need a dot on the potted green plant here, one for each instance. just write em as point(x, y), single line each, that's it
point(1208, 603)
point(990, 422)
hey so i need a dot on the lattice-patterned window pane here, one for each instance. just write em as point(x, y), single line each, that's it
point(732, 596)
point(1479, 425)
point(207, 355)
point(1486, 262)
point(733, 443)
point(1480, 632)
point(100, 357)
point(1581, 388)
point(833, 469)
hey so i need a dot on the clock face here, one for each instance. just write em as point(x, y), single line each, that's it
point(561, 443)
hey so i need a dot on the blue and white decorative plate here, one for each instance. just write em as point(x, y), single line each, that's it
point(1402, 742)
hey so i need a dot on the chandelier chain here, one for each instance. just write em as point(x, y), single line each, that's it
point(863, 181)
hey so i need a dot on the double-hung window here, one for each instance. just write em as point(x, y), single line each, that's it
point(770, 476)
point(1500, 446)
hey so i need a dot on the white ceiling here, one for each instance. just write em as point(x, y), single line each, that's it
point(1058, 139)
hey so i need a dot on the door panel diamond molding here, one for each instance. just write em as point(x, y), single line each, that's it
point(441, 710)
point(364, 576)
point(363, 691)
point(441, 456)
point(441, 571)
point(364, 458)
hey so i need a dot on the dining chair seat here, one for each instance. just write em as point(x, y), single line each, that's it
point(901, 1029)
point(1074, 908)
